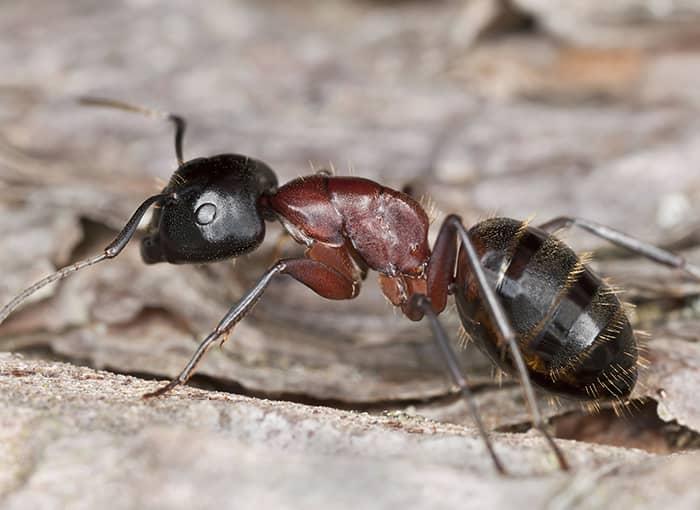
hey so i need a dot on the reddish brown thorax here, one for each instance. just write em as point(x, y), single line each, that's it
point(360, 220)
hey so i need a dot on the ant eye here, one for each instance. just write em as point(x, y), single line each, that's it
point(206, 213)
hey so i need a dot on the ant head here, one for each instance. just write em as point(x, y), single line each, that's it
point(213, 212)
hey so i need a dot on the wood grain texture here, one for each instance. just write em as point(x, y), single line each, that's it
point(484, 113)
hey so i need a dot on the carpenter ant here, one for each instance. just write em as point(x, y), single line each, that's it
point(529, 302)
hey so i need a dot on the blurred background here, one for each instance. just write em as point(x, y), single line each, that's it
point(511, 107)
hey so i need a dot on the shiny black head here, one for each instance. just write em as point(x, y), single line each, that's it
point(214, 211)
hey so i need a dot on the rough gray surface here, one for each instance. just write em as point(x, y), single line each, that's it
point(587, 109)
point(294, 85)
point(76, 438)
point(621, 23)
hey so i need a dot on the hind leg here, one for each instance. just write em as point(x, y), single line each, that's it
point(654, 253)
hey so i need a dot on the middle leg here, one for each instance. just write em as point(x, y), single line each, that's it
point(440, 336)
point(440, 275)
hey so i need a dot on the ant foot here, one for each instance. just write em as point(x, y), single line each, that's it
point(162, 390)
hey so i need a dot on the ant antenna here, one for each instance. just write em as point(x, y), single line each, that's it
point(111, 251)
point(179, 122)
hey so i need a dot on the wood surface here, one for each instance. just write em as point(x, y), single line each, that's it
point(485, 107)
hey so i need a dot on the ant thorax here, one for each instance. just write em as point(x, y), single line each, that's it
point(386, 229)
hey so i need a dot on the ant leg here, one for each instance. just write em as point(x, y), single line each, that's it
point(654, 253)
point(440, 336)
point(234, 315)
point(321, 278)
point(502, 322)
point(177, 120)
point(111, 251)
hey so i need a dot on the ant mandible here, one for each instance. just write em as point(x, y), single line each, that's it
point(526, 299)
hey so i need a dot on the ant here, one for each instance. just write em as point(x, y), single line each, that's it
point(528, 301)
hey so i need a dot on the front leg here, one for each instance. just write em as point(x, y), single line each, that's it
point(322, 279)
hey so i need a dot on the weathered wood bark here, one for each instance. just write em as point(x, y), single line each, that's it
point(483, 105)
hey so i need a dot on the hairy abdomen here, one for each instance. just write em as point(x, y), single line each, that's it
point(573, 331)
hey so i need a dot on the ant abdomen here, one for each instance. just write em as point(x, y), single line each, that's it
point(571, 327)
